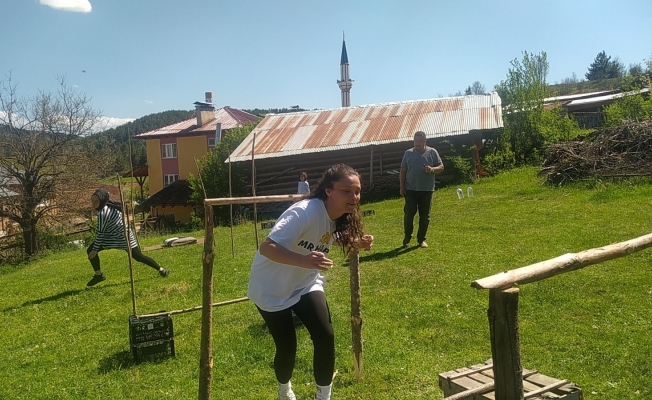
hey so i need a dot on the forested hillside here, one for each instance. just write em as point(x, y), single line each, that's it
point(261, 112)
point(118, 138)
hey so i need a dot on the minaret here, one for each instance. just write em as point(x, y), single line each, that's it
point(345, 83)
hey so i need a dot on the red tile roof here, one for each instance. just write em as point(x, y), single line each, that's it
point(229, 117)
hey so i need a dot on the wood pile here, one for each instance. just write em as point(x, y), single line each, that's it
point(617, 152)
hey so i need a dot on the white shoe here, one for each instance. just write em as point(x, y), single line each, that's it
point(324, 392)
point(286, 394)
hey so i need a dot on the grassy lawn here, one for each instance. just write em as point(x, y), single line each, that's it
point(60, 340)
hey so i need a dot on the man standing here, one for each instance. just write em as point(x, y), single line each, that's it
point(417, 178)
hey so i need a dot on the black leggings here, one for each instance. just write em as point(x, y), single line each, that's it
point(313, 311)
point(135, 253)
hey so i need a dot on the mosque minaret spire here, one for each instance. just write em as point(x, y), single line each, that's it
point(345, 83)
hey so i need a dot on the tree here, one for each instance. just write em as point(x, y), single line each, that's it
point(604, 68)
point(522, 95)
point(475, 88)
point(44, 169)
point(214, 172)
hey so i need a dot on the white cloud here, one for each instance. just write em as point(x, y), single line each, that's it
point(149, 102)
point(110, 122)
point(69, 5)
point(102, 124)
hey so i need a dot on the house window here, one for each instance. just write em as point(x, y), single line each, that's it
point(211, 142)
point(169, 150)
point(168, 179)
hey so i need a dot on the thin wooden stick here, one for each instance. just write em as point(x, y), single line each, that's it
point(196, 308)
point(125, 225)
point(131, 189)
point(253, 186)
point(565, 263)
point(231, 211)
point(201, 181)
point(356, 313)
point(546, 389)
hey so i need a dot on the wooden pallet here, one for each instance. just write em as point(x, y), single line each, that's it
point(535, 385)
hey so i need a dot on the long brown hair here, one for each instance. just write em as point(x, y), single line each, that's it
point(348, 227)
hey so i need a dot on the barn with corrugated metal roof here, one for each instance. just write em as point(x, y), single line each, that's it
point(370, 138)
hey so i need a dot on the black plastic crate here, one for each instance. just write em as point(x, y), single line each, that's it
point(147, 329)
point(154, 349)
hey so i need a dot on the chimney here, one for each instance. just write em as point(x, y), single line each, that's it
point(205, 112)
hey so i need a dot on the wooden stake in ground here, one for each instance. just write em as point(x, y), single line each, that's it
point(125, 225)
point(505, 343)
point(206, 356)
point(356, 314)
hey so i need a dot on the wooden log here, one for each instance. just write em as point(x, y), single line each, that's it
point(206, 352)
point(252, 199)
point(356, 313)
point(505, 345)
point(562, 264)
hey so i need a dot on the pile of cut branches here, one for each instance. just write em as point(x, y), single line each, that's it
point(617, 152)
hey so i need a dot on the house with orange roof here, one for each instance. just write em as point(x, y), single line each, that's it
point(173, 149)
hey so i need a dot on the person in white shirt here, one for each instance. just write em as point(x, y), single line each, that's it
point(286, 273)
point(303, 187)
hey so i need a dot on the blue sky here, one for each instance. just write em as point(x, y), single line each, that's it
point(137, 57)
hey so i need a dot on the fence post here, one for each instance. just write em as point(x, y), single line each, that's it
point(206, 356)
point(505, 344)
point(356, 313)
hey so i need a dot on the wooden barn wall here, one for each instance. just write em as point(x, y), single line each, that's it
point(378, 166)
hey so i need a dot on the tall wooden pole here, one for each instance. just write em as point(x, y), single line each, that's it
point(206, 356)
point(371, 168)
point(125, 225)
point(231, 210)
point(356, 313)
point(253, 186)
point(505, 343)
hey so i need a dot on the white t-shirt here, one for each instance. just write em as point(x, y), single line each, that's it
point(302, 228)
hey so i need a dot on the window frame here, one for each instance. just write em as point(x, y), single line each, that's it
point(167, 177)
point(172, 149)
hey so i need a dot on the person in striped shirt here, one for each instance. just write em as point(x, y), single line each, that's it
point(110, 235)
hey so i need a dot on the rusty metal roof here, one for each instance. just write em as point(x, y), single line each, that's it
point(229, 117)
point(304, 132)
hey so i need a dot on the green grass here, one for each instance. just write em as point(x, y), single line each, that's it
point(59, 340)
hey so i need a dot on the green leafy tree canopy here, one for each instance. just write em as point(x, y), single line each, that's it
point(215, 171)
point(603, 67)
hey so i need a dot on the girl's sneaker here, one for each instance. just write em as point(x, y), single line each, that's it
point(285, 392)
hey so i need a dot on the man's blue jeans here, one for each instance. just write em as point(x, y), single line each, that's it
point(416, 201)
